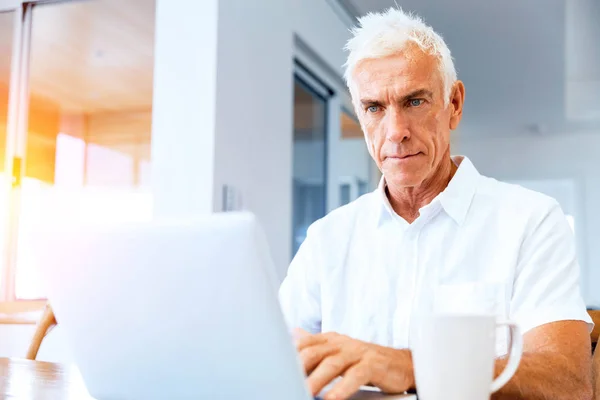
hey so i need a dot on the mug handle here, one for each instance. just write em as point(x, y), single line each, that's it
point(516, 350)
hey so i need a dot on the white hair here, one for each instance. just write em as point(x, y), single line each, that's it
point(384, 34)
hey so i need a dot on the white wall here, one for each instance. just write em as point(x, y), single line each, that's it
point(315, 22)
point(183, 117)
point(14, 341)
point(235, 129)
point(254, 114)
point(570, 157)
point(582, 60)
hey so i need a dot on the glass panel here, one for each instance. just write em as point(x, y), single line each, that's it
point(362, 187)
point(6, 47)
point(309, 174)
point(350, 127)
point(88, 143)
point(355, 163)
point(344, 193)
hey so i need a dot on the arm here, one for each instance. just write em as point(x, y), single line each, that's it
point(547, 304)
point(596, 373)
point(555, 364)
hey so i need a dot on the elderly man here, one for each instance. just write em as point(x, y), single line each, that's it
point(435, 236)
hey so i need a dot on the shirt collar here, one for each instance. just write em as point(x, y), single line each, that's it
point(455, 199)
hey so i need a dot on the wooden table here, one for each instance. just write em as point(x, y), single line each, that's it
point(37, 380)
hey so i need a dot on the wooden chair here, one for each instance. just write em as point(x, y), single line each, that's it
point(595, 314)
point(44, 326)
point(20, 312)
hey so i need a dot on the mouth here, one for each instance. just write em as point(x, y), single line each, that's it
point(403, 156)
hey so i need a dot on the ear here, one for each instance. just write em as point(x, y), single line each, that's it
point(457, 100)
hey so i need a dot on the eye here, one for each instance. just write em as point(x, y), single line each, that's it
point(373, 109)
point(415, 102)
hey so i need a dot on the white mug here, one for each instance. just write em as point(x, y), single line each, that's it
point(453, 356)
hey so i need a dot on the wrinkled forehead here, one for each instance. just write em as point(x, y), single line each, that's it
point(402, 72)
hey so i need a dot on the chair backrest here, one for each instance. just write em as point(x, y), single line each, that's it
point(23, 312)
point(44, 325)
point(21, 307)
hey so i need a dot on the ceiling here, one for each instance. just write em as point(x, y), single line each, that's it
point(90, 61)
point(90, 56)
point(529, 66)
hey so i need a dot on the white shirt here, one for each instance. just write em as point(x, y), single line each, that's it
point(481, 246)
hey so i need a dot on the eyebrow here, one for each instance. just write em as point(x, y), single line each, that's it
point(414, 94)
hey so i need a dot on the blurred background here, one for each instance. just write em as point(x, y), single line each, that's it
point(136, 109)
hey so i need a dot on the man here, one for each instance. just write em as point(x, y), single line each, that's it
point(435, 236)
point(596, 374)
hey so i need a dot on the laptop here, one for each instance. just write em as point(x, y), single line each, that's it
point(172, 309)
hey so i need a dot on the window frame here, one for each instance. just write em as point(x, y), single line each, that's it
point(16, 141)
point(338, 101)
point(16, 117)
point(311, 83)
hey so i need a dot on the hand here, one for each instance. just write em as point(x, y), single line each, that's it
point(330, 355)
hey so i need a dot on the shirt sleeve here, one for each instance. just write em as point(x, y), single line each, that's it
point(546, 287)
point(299, 294)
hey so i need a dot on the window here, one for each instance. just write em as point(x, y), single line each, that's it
point(354, 166)
point(345, 196)
point(86, 150)
point(349, 124)
point(332, 165)
point(6, 44)
point(310, 155)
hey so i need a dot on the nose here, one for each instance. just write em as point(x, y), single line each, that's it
point(397, 128)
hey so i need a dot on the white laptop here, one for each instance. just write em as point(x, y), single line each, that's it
point(172, 310)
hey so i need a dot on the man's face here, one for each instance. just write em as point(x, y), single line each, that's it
point(400, 104)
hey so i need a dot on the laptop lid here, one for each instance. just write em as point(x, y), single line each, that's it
point(171, 309)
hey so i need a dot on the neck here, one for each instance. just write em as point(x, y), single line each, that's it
point(406, 201)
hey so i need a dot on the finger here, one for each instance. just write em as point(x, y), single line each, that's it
point(299, 333)
point(329, 369)
point(355, 377)
point(313, 355)
point(309, 340)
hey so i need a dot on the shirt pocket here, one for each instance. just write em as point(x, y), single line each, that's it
point(475, 298)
